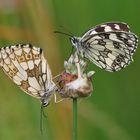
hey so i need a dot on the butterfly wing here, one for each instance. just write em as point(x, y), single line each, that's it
point(26, 66)
point(110, 46)
point(107, 27)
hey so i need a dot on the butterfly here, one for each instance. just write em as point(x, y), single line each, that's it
point(27, 67)
point(110, 45)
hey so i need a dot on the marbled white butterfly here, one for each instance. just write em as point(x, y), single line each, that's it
point(26, 66)
point(110, 45)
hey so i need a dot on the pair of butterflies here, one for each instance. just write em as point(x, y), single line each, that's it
point(110, 46)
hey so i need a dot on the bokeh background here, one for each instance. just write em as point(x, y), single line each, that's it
point(113, 110)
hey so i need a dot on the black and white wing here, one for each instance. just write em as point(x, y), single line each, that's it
point(26, 66)
point(110, 46)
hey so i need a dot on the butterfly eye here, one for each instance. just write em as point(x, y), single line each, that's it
point(45, 103)
point(73, 40)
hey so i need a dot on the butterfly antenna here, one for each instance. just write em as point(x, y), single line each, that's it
point(66, 29)
point(42, 114)
point(59, 32)
point(41, 126)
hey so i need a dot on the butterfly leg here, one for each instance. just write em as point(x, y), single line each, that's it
point(55, 77)
point(57, 101)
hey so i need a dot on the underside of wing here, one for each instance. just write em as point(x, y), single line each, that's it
point(26, 66)
point(111, 51)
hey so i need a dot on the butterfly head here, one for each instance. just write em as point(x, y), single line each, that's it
point(47, 95)
point(44, 102)
point(75, 41)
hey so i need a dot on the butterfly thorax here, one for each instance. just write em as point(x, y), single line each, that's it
point(47, 94)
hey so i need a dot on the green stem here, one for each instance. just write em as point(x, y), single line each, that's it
point(74, 134)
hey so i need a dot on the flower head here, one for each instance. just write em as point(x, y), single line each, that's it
point(74, 82)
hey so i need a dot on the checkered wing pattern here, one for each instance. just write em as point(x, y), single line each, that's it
point(110, 46)
point(26, 66)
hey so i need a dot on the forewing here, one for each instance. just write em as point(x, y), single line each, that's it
point(110, 48)
point(106, 27)
point(26, 66)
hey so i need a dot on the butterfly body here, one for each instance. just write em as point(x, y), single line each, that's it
point(110, 46)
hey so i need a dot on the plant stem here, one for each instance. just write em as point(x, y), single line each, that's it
point(74, 134)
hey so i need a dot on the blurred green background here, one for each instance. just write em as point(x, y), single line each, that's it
point(113, 110)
